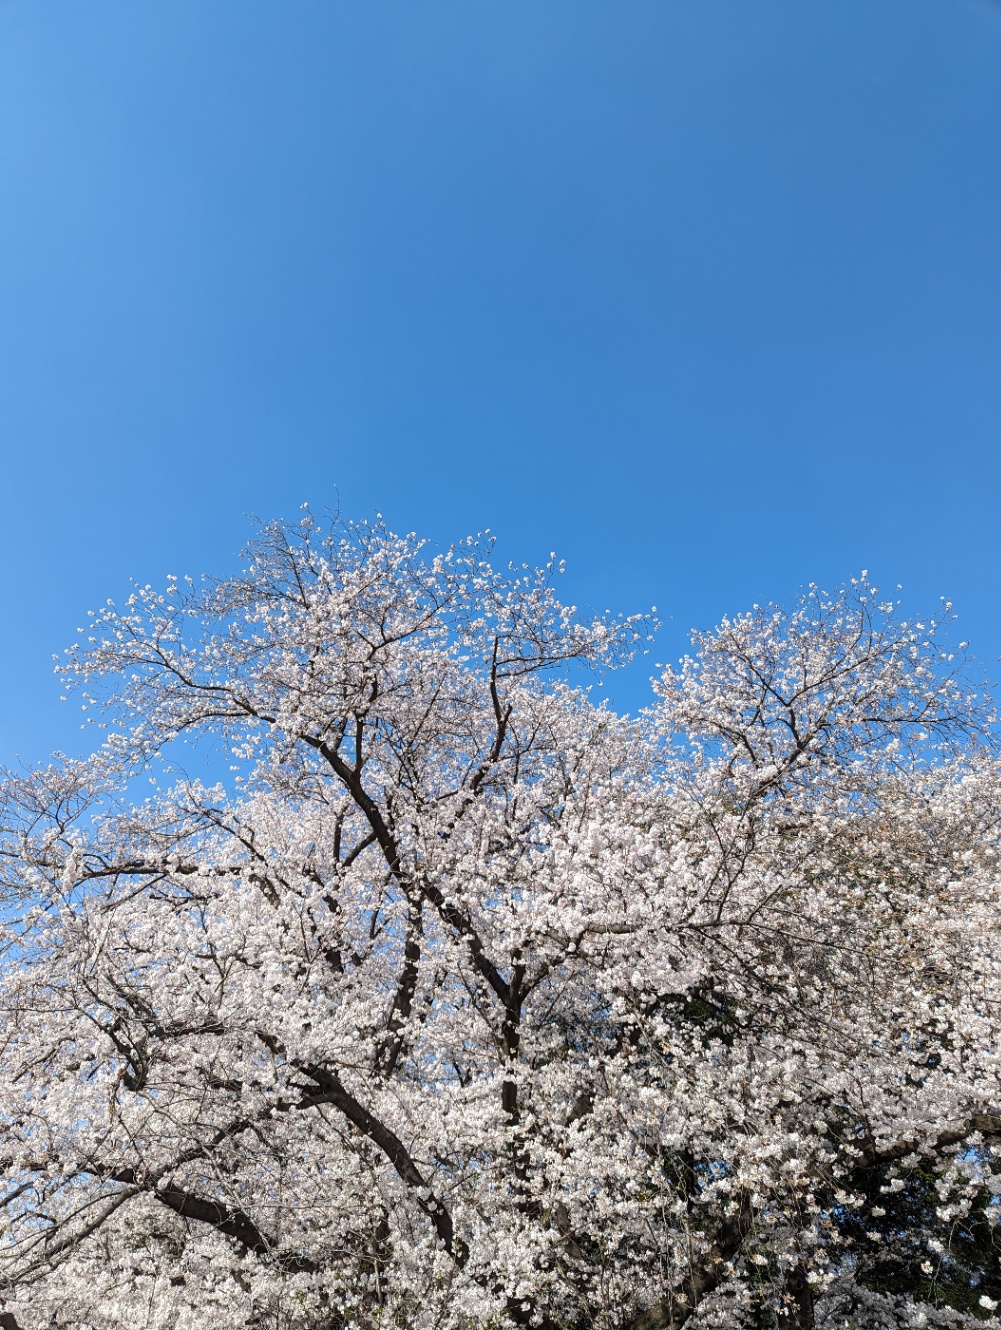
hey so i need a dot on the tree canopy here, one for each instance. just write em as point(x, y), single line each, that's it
point(467, 1002)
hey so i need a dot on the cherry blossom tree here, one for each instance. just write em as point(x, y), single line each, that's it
point(464, 1001)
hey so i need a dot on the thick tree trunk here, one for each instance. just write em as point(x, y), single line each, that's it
point(796, 1311)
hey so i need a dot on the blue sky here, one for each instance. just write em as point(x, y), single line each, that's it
point(703, 294)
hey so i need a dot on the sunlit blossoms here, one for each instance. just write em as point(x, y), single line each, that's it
point(464, 1002)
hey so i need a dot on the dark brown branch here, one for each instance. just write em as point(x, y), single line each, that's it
point(234, 1223)
point(391, 1049)
point(458, 920)
point(451, 914)
point(987, 1124)
point(383, 835)
point(332, 1091)
point(351, 778)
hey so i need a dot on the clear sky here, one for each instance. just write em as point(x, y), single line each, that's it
point(704, 295)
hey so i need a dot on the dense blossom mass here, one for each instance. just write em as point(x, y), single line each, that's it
point(463, 1002)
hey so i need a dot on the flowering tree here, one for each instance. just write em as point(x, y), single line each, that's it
point(473, 1004)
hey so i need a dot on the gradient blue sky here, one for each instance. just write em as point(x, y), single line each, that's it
point(703, 294)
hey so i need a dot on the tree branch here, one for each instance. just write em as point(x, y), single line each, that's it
point(332, 1091)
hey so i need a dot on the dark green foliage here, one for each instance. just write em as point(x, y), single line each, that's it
point(965, 1269)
